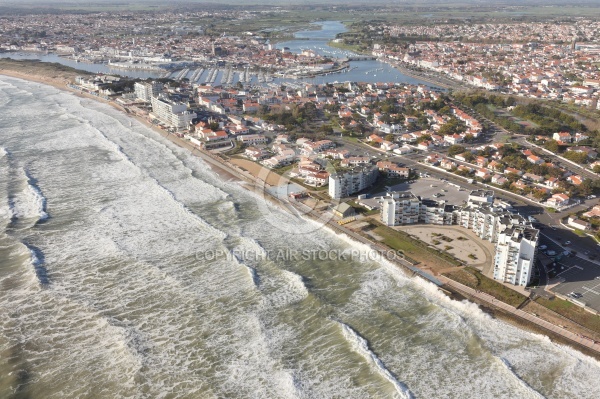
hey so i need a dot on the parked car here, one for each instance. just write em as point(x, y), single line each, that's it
point(542, 247)
point(567, 242)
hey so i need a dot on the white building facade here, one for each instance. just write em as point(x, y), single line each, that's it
point(515, 255)
point(172, 113)
point(146, 90)
point(516, 241)
point(345, 183)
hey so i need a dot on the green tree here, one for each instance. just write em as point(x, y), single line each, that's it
point(540, 195)
point(578, 157)
point(327, 129)
point(552, 145)
point(455, 149)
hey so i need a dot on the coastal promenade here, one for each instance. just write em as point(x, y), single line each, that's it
point(489, 300)
point(222, 167)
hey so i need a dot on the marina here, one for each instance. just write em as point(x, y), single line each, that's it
point(355, 67)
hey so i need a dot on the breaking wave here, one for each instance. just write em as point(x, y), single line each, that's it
point(532, 392)
point(37, 262)
point(29, 203)
point(361, 346)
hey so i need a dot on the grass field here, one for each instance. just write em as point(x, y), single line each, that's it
point(474, 279)
point(572, 312)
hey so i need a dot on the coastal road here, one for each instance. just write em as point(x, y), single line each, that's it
point(491, 301)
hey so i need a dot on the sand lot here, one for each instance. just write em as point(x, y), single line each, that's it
point(259, 171)
point(469, 244)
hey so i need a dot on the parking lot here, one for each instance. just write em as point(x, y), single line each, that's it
point(574, 275)
point(427, 187)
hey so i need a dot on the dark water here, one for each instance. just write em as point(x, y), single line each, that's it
point(361, 71)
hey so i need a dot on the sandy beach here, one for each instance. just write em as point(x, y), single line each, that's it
point(61, 80)
point(252, 176)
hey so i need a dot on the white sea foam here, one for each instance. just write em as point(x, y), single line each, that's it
point(29, 203)
point(133, 312)
point(285, 289)
point(530, 392)
point(361, 346)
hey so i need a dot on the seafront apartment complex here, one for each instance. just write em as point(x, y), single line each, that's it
point(515, 254)
point(146, 90)
point(515, 239)
point(172, 113)
point(344, 183)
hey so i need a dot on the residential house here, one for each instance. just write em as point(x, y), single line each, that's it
point(593, 213)
point(575, 180)
point(252, 139)
point(580, 137)
point(483, 173)
point(578, 223)
point(534, 159)
point(562, 136)
point(558, 200)
point(393, 170)
point(256, 154)
point(425, 145)
point(551, 182)
point(499, 179)
point(513, 170)
point(447, 164)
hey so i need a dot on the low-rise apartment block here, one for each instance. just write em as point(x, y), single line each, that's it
point(515, 239)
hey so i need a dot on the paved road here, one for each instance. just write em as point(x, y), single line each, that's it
point(578, 274)
point(499, 131)
point(470, 292)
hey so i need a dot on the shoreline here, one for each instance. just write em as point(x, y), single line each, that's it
point(226, 171)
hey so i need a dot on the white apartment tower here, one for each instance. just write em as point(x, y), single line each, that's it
point(345, 183)
point(515, 255)
point(400, 208)
point(145, 91)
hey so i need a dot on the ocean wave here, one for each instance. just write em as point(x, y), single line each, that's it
point(251, 270)
point(284, 289)
point(29, 203)
point(37, 262)
point(116, 148)
point(361, 346)
point(531, 392)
